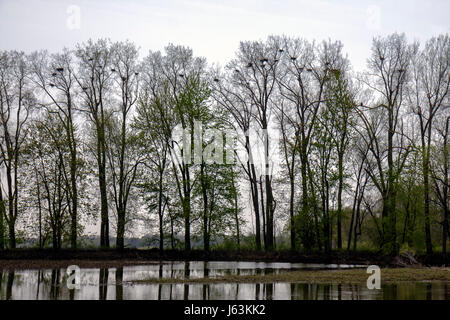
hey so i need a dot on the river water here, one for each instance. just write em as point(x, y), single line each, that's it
point(115, 284)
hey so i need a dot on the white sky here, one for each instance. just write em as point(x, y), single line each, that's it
point(214, 28)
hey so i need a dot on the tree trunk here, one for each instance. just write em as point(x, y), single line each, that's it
point(355, 231)
point(270, 208)
point(426, 194)
point(350, 230)
point(339, 199)
point(101, 161)
point(445, 227)
point(359, 193)
point(205, 208)
point(160, 213)
point(172, 239)
point(305, 208)
point(55, 237)
point(73, 173)
point(74, 213)
point(255, 196)
point(104, 227)
point(161, 233)
point(291, 213)
point(11, 219)
point(2, 225)
point(40, 215)
point(104, 235)
point(187, 222)
point(236, 217)
point(120, 241)
point(254, 191)
point(12, 235)
point(263, 214)
point(390, 236)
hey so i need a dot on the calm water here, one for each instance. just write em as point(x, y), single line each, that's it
point(112, 283)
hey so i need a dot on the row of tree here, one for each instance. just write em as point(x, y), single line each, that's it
point(361, 157)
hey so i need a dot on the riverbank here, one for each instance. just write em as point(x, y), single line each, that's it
point(44, 258)
point(350, 276)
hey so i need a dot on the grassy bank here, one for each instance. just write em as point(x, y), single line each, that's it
point(322, 276)
point(111, 257)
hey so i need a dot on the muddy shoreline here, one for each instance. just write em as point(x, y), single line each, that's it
point(42, 258)
point(389, 275)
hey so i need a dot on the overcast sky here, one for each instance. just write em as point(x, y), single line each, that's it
point(214, 28)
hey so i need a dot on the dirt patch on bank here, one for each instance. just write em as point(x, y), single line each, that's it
point(321, 276)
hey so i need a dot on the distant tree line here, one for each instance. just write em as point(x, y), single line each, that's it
point(87, 134)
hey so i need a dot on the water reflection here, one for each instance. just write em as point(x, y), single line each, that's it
point(118, 284)
point(112, 283)
point(54, 287)
point(103, 284)
point(9, 285)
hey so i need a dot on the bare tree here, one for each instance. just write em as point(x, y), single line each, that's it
point(239, 106)
point(389, 70)
point(48, 146)
point(289, 146)
point(94, 77)
point(255, 74)
point(2, 223)
point(341, 104)
point(183, 74)
point(122, 152)
point(307, 69)
point(440, 174)
point(430, 88)
point(55, 76)
point(16, 101)
point(153, 120)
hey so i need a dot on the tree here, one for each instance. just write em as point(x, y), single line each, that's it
point(440, 174)
point(322, 160)
point(183, 74)
point(289, 146)
point(254, 75)
point(48, 147)
point(216, 180)
point(302, 84)
point(190, 109)
point(361, 179)
point(389, 70)
point(16, 101)
point(240, 108)
point(153, 122)
point(122, 152)
point(341, 104)
point(55, 76)
point(155, 134)
point(94, 77)
point(430, 72)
